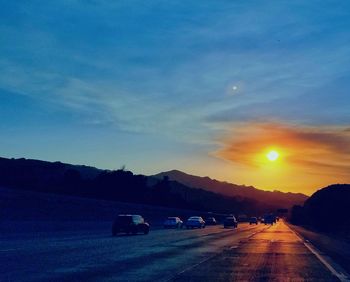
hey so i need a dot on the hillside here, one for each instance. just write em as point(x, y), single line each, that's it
point(327, 209)
point(124, 186)
point(37, 168)
point(275, 198)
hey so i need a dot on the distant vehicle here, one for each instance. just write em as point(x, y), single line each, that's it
point(195, 222)
point(230, 221)
point(253, 220)
point(269, 219)
point(210, 221)
point(173, 222)
point(126, 223)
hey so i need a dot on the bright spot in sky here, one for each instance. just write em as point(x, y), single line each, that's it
point(234, 87)
point(272, 155)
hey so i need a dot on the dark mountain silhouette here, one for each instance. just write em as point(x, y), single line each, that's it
point(124, 186)
point(327, 209)
point(275, 198)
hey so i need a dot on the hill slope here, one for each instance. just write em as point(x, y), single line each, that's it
point(122, 185)
point(327, 209)
point(275, 198)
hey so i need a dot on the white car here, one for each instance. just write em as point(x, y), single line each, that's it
point(195, 222)
point(173, 222)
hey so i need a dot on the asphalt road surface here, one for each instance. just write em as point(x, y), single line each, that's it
point(249, 253)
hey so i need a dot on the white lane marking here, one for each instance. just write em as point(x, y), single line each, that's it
point(9, 250)
point(333, 267)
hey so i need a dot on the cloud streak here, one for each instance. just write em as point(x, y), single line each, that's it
point(314, 150)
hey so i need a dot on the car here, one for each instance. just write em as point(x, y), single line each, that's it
point(173, 222)
point(210, 221)
point(269, 219)
point(195, 222)
point(127, 223)
point(230, 221)
point(253, 220)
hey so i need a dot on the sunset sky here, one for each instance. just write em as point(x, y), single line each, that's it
point(206, 87)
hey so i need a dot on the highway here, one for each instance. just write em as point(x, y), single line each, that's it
point(249, 253)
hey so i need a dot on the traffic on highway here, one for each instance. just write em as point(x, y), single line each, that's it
point(188, 250)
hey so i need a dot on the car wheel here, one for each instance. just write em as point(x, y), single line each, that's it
point(146, 231)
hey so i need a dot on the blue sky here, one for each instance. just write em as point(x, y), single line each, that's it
point(150, 84)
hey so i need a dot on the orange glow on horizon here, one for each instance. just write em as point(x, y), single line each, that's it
point(287, 157)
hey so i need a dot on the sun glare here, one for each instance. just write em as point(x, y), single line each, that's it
point(272, 155)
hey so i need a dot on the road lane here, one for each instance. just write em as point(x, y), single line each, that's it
point(157, 256)
point(275, 254)
point(249, 253)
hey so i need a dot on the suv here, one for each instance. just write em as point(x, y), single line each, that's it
point(129, 224)
point(230, 221)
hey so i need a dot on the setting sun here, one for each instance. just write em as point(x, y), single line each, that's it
point(272, 156)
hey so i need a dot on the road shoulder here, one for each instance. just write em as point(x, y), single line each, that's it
point(331, 249)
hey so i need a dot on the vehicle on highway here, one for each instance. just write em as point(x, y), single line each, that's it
point(269, 219)
point(127, 223)
point(210, 221)
point(230, 221)
point(195, 222)
point(173, 222)
point(253, 220)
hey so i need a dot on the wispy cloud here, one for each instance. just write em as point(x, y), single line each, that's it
point(318, 150)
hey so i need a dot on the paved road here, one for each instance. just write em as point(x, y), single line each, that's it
point(249, 253)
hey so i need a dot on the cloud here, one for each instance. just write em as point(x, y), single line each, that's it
point(311, 149)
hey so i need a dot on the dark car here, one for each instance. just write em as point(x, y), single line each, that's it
point(173, 222)
point(269, 219)
point(129, 224)
point(195, 222)
point(230, 221)
point(253, 220)
point(210, 221)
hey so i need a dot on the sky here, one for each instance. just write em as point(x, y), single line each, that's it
point(206, 87)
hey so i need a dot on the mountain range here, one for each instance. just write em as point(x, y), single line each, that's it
point(172, 188)
point(274, 198)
